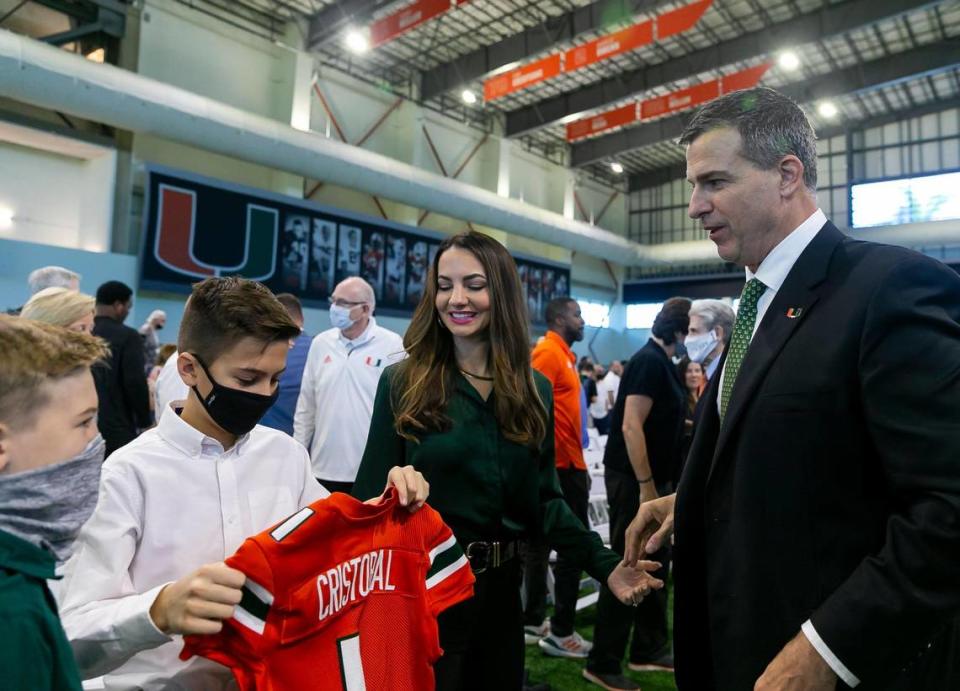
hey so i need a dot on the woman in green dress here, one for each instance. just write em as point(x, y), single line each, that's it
point(467, 410)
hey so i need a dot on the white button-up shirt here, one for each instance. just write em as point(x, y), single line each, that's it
point(772, 272)
point(336, 397)
point(170, 502)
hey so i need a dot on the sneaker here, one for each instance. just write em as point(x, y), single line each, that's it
point(574, 645)
point(611, 682)
point(533, 634)
point(664, 663)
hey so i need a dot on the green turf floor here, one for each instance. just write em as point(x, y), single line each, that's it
point(565, 675)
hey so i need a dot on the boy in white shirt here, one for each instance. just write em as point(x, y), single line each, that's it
point(148, 566)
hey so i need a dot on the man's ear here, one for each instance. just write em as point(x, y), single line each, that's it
point(188, 368)
point(721, 334)
point(4, 446)
point(791, 176)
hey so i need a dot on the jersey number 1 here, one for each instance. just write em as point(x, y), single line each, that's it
point(351, 666)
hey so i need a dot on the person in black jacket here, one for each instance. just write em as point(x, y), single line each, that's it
point(121, 383)
point(815, 528)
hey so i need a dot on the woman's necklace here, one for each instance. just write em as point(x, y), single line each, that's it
point(475, 376)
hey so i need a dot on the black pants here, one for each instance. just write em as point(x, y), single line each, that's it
point(566, 576)
point(602, 424)
point(482, 638)
point(614, 620)
point(334, 486)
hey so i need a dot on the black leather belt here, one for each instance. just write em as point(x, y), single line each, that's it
point(490, 555)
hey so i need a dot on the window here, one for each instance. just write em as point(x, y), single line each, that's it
point(596, 314)
point(907, 200)
point(642, 316)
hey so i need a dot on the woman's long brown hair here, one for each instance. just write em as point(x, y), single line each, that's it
point(425, 379)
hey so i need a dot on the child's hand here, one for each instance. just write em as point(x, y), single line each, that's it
point(412, 488)
point(198, 602)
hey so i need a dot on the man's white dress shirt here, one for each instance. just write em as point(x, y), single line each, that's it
point(336, 397)
point(170, 501)
point(772, 272)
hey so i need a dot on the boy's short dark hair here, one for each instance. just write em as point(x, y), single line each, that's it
point(674, 317)
point(222, 311)
point(292, 304)
point(113, 291)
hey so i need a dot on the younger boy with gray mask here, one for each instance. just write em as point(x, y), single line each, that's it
point(50, 458)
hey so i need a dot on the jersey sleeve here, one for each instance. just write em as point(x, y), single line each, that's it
point(449, 579)
point(247, 636)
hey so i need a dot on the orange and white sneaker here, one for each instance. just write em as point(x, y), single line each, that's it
point(574, 646)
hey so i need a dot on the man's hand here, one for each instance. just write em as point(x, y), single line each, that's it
point(798, 667)
point(198, 602)
point(412, 488)
point(650, 529)
point(631, 584)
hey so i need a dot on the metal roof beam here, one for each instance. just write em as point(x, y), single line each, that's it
point(828, 21)
point(467, 68)
point(867, 76)
point(676, 171)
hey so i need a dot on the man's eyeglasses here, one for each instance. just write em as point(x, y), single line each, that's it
point(340, 302)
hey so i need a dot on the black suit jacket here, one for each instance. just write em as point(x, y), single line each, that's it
point(831, 491)
point(121, 384)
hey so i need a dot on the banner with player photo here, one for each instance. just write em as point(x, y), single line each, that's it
point(196, 227)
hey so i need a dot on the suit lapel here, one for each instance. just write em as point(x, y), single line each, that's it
point(791, 305)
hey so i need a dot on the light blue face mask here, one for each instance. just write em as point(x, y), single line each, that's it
point(48, 506)
point(340, 317)
point(699, 347)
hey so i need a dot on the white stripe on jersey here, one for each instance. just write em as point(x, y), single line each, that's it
point(291, 524)
point(442, 547)
point(249, 620)
point(446, 572)
point(264, 595)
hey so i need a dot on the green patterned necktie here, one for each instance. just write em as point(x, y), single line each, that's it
point(740, 339)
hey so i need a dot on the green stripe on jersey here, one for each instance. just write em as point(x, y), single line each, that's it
point(443, 559)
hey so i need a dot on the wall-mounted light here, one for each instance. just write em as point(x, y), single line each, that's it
point(616, 167)
point(468, 97)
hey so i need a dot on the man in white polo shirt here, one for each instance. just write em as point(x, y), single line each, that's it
point(339, 383)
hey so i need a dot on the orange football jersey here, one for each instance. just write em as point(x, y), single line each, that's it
point(341, 596)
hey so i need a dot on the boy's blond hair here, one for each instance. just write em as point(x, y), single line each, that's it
point(35, 353)
point(58, 306)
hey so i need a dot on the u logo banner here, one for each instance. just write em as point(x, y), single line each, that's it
point(196, 227)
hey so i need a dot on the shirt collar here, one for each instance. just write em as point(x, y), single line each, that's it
point(20, 555)
point(773, 270)
point(191, 441)
point(557, 340)
point(362, 338)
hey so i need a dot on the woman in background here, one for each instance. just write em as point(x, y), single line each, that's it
point(61, 307)
point(691, 374)
point(467, 410)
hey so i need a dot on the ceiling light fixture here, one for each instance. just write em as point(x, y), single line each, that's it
point(789, 61)
point(357, 42)
point(468, 97)
point(827, 109)
point(616, 167)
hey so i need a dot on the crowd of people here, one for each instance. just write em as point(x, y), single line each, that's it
point(790, 468)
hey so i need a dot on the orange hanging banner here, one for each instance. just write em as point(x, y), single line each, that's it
point(409, 17)
point(618, 117)
point(521, 78)
point(744, 79)
point(680, 19)
point(622, 41)
point(680, 100)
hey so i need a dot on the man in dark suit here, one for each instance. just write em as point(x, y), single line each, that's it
point(817, 523)
point(121, 382)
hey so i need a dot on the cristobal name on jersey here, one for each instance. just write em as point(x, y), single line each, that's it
point(354, 579)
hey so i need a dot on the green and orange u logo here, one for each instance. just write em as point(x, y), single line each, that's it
point(176, 221)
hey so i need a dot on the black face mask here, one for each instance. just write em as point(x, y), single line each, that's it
point(234, 410)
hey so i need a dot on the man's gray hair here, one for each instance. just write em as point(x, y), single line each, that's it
point(51, 277)
point(770, 124)
point(366, 290)
point(715, 313)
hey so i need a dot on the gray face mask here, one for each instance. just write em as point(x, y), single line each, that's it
point(48, 506)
